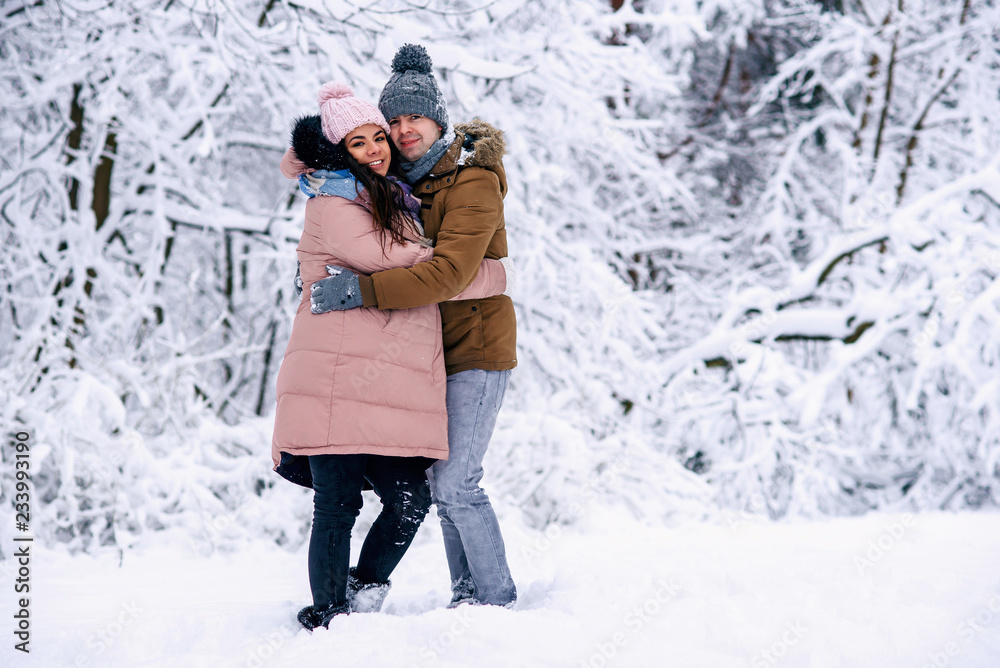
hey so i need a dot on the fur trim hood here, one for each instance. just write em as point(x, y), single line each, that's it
point(313, 148)
point(483, 146)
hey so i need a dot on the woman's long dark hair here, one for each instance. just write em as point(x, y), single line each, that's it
point(386, 198)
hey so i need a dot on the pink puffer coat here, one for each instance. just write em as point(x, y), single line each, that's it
point(364, 380)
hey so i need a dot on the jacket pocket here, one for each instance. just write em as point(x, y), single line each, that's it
point(462, 331)
point(396, 319)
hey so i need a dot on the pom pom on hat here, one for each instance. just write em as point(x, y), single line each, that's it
point(342, 112)
point(412, 57)
point(335, 90)
point(412, 88)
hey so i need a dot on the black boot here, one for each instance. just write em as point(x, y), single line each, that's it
point(310, 618)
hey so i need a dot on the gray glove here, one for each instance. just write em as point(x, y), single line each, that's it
point(340, 291)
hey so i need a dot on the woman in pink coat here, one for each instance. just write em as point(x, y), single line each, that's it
point(361, 392)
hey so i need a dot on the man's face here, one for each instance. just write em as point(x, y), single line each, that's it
point(413, 135)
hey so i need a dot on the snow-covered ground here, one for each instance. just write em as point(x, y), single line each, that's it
point(877, 591)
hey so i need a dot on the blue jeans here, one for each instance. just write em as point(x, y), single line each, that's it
point(472, 540)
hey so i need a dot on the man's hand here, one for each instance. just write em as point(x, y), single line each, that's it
point(339, 292)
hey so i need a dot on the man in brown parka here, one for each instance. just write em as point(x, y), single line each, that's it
point(459, 177)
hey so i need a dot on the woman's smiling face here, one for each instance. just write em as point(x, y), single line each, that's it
point(369, 145)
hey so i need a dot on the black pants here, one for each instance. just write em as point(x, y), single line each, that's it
point(401, 484)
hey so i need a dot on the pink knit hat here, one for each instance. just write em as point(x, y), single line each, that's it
point(341, 112)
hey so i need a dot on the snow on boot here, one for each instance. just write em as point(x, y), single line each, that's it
point(366, 597)
point(462, 592)
point(310, 618)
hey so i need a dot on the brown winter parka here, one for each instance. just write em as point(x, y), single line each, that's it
point(462, 210)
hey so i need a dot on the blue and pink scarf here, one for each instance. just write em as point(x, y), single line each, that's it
point(341, 183)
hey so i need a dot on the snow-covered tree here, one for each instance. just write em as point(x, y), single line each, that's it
point(757, 244)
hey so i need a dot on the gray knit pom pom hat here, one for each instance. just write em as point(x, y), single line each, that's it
point(412, 89)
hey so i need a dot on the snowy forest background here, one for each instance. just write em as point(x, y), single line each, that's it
point(757, 242)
